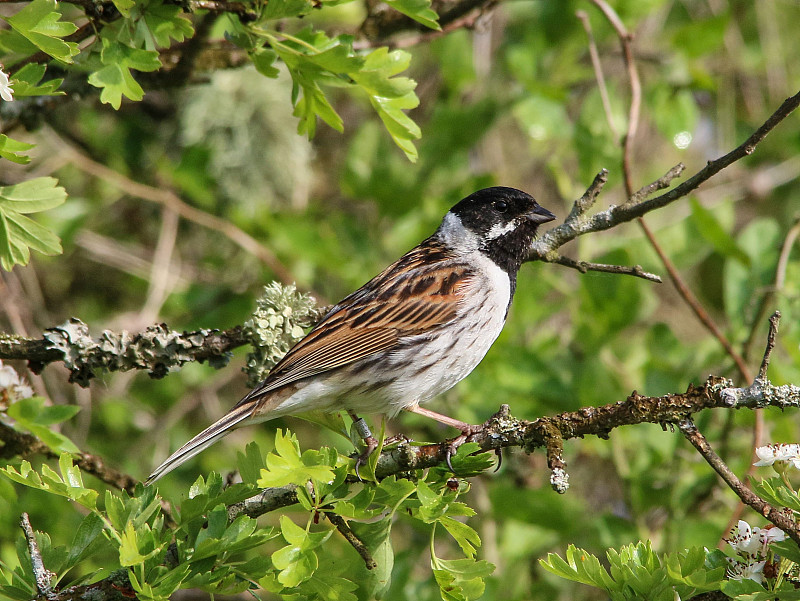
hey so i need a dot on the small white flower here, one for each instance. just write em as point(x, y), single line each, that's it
point(749, 570)
point(12, 386)
point(744, 540)
point(771, 534)
point(6, 92)
point(772, 453)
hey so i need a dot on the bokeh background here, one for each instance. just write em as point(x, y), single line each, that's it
point(513, 101)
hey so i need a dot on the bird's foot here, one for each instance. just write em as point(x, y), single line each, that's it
point(466, 434)
point(371, 444)
point(396, 439)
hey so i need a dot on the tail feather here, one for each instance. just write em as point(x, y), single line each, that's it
point(202, 441)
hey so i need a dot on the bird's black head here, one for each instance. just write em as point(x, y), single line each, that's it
point(503, 222)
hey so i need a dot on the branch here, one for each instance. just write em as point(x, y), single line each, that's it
point(503, 430)
point(157, 349)
point(577, 225)
point(19, 444)
point(782, 519)
point(42, 574)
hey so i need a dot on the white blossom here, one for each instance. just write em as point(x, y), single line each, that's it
point(747, 570)
point(744, 540)
point(772, 453)
point(6, 92)
point(11, 385)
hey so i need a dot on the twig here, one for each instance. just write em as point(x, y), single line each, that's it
point(776, 288)
point(351, 538)
point(19, 444)
point(662, 182)
point(773, 331)
point(155, 349)
point(584, 266)
point(244, 12)
point(585, 202)
point(467, 21)
point(626, 39)
point(779, 517)
point(598, 71)
point(42, 574)
point(169, 199)
point(695, 305)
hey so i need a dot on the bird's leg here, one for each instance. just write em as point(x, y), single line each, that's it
point(366, 435)
point(466, 429)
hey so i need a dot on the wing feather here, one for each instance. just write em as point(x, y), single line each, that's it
point(410, 297)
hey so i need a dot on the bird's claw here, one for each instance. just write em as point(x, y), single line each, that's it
point(372, 444)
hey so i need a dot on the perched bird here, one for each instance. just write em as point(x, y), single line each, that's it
point(407, 335)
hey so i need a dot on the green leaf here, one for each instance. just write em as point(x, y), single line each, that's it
point(18, 233)
point(116, 79)
point(88, 538)
point(419, 10)
point(711, 229)
point(165, 22)
point(297, 561)
point(461, 579)
point(13, 150)
point(264, 61)
point(376, 536)
point(26, 82)
point(68, 484)
point(285, 465)
point(39, 22)
point(465, 536)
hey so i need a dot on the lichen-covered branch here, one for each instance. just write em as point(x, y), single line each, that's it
point(503, 430)
point(278, 322)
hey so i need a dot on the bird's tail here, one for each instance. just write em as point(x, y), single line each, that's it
point(203, 440)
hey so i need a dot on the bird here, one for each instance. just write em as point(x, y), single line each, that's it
point(407, 335)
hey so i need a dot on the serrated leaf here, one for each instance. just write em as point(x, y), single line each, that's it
point(419, 10)
point(464, 535)
point(116, 79)
point(39, 23)
point(166, 22)
point(69, 484)
point(285, 465)
point(18, 233)
point(12, 150)
point(26, 82)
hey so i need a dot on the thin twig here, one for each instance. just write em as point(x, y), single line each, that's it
point(350, 537)
point(662, 182)
point(776, 288)
point(584, 266)
point(170, 199)
point(779, 517)
point(626, 39)
point(773, 331)
point(42, 575)
point(695, 305)
point(585, 202)
point(598, 71)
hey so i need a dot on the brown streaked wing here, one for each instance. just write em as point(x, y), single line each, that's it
point(370, 321)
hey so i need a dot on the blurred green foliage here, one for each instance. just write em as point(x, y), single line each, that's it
point(513, 102)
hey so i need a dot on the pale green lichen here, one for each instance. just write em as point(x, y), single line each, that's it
point(281, 318)
point(157, 349)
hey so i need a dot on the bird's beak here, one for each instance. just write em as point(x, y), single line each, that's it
point(540, 215)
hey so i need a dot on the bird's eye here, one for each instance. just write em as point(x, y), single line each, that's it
point(501, 206)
